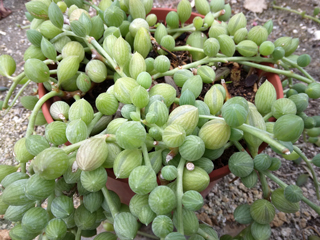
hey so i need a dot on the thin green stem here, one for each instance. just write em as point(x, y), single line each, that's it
point(179, 194)
point(295, 65)
point(76, 97)
point(49, 202)
point(261, 134)
point(267, 116)
point(147, 235)
point(302, 14)
point(91, 125)
point(146, 155)
point(78, 235)
point(219, 58)
point(187, 66)
point(75, 146)
point(106, 55)
point(205, 235)
point(238, 146)
point(188, 48)
point(284, 185)
point(92, 5)
point(111, 204)
point(15, 83)
point(16, 97)
point(18, 79)
point(314, 176)
point(138, 112)
point(264, 136)
point(55, 71)
point(37, 108)
point(65, 33)
point(278, 71)
point(23, 167)
point(264, 185)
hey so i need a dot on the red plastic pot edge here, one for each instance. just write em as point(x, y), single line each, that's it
point(215, 174)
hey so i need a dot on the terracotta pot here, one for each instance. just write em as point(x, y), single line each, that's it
point(120, 186)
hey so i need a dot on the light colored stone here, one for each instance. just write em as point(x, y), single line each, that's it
point(286, 232)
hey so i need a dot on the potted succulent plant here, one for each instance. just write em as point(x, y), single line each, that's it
point(132, 100)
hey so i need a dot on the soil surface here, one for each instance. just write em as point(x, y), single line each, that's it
point(229, 192)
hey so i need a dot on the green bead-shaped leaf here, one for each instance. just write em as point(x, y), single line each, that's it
point(76, 131)
point(242, 214)
point(166, 91)
point(284, 125)
point(38, 188)
point(56, 132)
point(282, 107)
point(162, 200)
point(189, 220)
point(62, 206)
point(142, 180)
point(67, 68)
point(142, 42)
point(131, 135)
point(251, 180)
point(258, 34)
point(15, 194)
point(265, 97)
point(126, 161)
point(282, 204)
point(217, 128)
point(241, 164)
point(262, 162)
point(192, 200)
point(162, 225)
point(262, 211)
point(125, 225)
point(51, 163)
point(227, 46)
point(192, 148)
point(55, 15)
point(186, 116)
point(184, 10)
point(293, 193)
point(94, 180)
point(93, 201)
point(36, 70)
point(196, 179)
point(260, 231)
point(56, 229)
point(37, 9)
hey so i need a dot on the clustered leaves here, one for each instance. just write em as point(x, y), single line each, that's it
point(163, 136)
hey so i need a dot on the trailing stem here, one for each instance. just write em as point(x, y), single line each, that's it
point(302, 14)
point(92, 41)
point(146, 155)
point(284, 185)
point(15, 83)
point(293, 64)
point(17, 96)
point(261, 134)
point(277, 71)
point(179, 195)
point(96, 118)
point(37, 108)
point(314, 176)
point(108, 198)
point(205, 235)
point(219, 58)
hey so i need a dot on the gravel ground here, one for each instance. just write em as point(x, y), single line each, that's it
point(225, 196)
